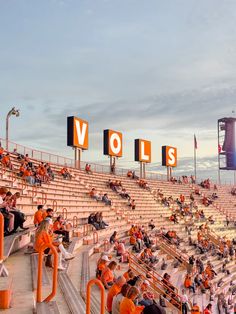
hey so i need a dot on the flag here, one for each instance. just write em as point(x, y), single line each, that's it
point(195, 142)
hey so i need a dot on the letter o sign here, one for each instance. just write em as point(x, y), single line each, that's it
point(115, 143)
point(112, 143)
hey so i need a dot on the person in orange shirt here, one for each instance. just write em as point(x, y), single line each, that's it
point(195, 309)
point(128, 274)
point(39, 215)
point(101, 265)
point(113, 291)
point(127, 305)
point(188, 283)
point(28, 175)
point(107, 276)
point(58, 228)
point(44, 236)
point(1, 151)
point(6, 161)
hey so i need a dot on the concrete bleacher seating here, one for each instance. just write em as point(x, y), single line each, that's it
point(73, 195)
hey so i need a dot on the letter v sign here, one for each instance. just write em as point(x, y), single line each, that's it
point(80, 133)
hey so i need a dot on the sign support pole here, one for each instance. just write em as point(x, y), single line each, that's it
point(141, 170)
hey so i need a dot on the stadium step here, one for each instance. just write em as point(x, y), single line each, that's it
point(47, 308)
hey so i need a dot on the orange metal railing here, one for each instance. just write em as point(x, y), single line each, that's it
point(95, 237)
point(23, 184)
point(1, 236)
point(44, 197)
point(172, 251)
point(106, 245)
point(140, 267)
point(54, 205)
point(40, 271)
point(75, 222)
point(3, 169)
point(64, 213)
point(86, 229)
point(88, 295)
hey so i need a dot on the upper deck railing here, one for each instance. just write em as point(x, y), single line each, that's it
point(69, 162)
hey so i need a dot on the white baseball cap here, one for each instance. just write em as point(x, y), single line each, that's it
point(105, 258)
point(146, 283)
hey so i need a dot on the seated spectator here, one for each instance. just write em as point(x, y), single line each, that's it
point(59, 228)
point(88, 169)
point(95, 195)
point(106, 200)
point(101, 265)
point(132, 204)
point(169, 288)
point(113, 291)
point(113, 238)
point(6, 161)
point(1, 151)
point(124, 194)
point(119, 297)
point(107, 277)
point(50, 172)
point(5, 197)
point(39, 215)
point(19, 217)
point(18, 155)
point(66, 173)
point(44, 235)
point(129, 174)
point(173, 218)
point(151, 224)
point(147, 297)
point(127, 305)
point(129, 275)
point(28, 176)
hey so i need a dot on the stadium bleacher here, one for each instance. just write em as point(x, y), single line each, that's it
point(71, 199)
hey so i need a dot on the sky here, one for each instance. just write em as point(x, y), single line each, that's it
point(152, 69)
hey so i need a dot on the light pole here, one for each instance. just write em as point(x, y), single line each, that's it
point(12, 112)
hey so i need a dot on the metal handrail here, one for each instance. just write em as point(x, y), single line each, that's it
point(156, 283)
point(75, 222)
point(88, 295)
point(54, 205)
point(40, 271)
point(60, 160)
point(64, 213)
point(173, 252)
point(95, 237)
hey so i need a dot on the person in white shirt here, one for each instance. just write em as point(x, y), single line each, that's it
point(184, 301)
point(118, 298)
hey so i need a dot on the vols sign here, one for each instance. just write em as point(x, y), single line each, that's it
point(169, 156)
point(77, 132)
point(112, 143)
point(142, 150)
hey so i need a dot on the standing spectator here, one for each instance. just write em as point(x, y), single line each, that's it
point(184, 301)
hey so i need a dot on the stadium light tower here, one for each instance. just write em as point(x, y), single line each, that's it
point(12, 112)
